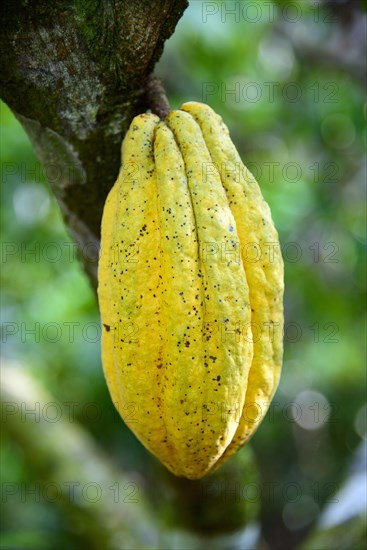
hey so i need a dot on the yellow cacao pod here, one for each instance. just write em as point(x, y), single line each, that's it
point(190, 292)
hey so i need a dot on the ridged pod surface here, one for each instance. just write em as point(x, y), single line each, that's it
point(190, 292)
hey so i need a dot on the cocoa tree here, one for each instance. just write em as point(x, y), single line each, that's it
point(74, 74)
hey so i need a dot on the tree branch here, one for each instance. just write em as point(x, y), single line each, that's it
point(75, 74)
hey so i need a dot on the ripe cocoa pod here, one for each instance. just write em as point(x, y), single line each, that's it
point(190, 292)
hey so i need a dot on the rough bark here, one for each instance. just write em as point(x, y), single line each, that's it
point(75, 74)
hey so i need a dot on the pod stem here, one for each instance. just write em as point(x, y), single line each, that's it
point(157, 98)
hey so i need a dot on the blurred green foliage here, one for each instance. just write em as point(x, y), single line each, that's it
point(299, 126)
